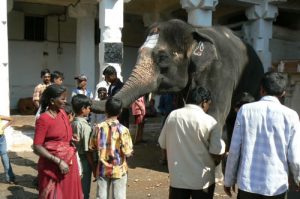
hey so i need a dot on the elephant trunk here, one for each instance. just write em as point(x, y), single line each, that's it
point(142, 80)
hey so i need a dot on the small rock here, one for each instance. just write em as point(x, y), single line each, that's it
point(149, 195)
point(136, 180)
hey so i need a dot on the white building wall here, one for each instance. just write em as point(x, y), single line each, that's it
point(67, 29)
point(27, 58)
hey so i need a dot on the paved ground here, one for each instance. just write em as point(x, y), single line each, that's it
point(147, 178)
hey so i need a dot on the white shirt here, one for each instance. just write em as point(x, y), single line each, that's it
point(86, 92)
point(187, 137)
point(265, 139)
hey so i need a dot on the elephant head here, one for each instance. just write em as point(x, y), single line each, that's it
point(167, 61)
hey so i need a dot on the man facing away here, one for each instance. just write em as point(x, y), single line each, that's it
point(192, 154)
point(265, 145)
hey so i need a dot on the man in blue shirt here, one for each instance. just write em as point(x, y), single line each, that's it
point(265, 145)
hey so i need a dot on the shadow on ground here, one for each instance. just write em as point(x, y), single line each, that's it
point(17, 159)
point(147, 155)
point(18, 192)
point(24, 128)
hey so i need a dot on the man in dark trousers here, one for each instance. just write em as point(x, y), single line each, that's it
point(116, 84)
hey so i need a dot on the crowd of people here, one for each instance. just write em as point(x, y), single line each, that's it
point(76, 146)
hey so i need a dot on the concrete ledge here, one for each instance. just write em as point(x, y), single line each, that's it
point(19, 137)
point(19, 140)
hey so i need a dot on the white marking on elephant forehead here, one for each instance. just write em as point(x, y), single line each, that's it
point(227, 35)
point(199, 49)
point(151, 41)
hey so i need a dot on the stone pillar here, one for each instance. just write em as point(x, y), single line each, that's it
point(111, 24)
point(4, 65)
point(85, 40)
point(258, 31)
point(199, 11)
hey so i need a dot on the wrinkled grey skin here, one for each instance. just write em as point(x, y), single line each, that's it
point(226, 66)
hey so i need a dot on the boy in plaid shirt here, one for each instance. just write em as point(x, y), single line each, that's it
point(113, 142)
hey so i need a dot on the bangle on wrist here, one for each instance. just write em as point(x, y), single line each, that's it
point(59, 162)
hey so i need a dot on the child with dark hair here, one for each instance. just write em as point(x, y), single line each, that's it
point(69, 112)
point(113, 142)
point(102, 95)
point(81, 105)
point(57, 77)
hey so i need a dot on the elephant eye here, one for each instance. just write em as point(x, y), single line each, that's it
point(162, 59)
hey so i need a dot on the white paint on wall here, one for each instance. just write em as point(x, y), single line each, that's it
point(67, 29)
point(4, 64)
point(27, 60)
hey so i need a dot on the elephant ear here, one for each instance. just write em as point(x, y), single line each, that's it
point(203, 52)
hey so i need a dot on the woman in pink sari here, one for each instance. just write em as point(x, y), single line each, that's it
point(57, 167)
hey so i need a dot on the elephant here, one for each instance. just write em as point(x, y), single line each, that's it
point(177, 56)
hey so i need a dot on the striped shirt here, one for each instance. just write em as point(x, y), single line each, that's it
point(38, 91)
point(264, 146)
point(113, 142)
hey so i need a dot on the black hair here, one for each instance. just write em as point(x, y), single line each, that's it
point(51, 92)
point(80, 101)
point(56, 74)
point(274, 83)
point(68, 108)
point(244, 99)
point(113, 107)
point(44, 72)
point(109, 70)
point(101, 89)
point(198, 95)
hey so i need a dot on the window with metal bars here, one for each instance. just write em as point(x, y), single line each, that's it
point(34, 28)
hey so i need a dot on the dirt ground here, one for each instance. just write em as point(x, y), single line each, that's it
point(146, 178)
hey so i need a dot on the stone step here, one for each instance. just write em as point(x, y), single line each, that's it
point(19, 140)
